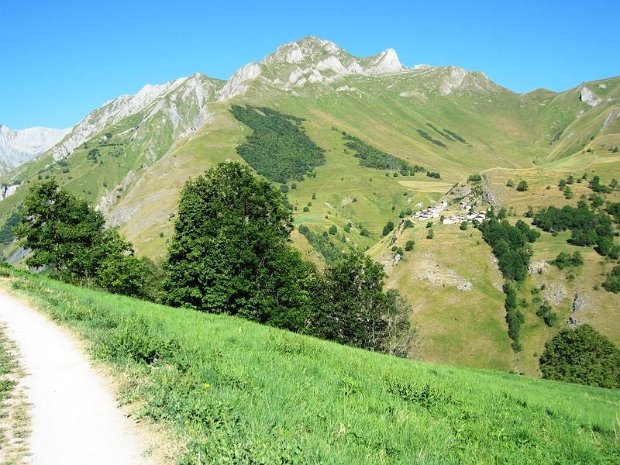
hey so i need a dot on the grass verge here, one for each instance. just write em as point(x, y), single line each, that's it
point(232, 391)
point(14, 420)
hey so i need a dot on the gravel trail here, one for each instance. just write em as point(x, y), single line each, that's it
point(74, 416)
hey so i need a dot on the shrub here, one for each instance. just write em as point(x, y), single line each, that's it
point(564, 260)
point(522, 186)
point(612, 283)
point(388, 228)
point(583, 356)
point(409, 245)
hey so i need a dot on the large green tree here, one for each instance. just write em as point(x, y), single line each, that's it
point(583, 356)
point(352, 308)
point(230, 250)
point(67, 237)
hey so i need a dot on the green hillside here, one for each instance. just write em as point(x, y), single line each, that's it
point(451, 122)
point(218, 386)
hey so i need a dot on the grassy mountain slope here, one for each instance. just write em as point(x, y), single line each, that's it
point(447, 120)
point(218, 386)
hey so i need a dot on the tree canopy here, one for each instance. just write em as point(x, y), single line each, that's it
point(229, 252)
point(67, 237)
point(353, 307)
point(583, 356)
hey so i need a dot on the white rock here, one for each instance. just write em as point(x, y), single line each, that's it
point(386, 63)
point(610, 117)
point(453, 81)
point(237, 84)
point(588, 97)
point(332, 63)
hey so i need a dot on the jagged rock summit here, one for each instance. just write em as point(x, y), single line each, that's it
point(165, 113)
point(308, 61)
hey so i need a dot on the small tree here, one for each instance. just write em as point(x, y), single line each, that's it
point(522, 186)
point(583, 356)
point(388, 228)
point(409, 245)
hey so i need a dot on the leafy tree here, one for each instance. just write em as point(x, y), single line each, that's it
point(388, 228)
point(409, 245)
point(510, 246)
point(354, 309)
point(67, 236)
point(229, 252)
point(564, 260)
point(372, 157)
point(583, 356)
point(61, 230)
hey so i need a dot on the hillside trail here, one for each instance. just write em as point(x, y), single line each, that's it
point(74, 416)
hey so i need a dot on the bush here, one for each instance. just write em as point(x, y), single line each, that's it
point(409, 245)
point(522, 186)
point(544, 311)
point(388, 228)
point(564, 260)
point(430, 234)
point(583, 356)
point(612, 283)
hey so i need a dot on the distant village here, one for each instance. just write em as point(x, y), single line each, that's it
point(468, 213)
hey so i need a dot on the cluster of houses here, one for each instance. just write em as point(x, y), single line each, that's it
point(469, 216)
point(435, 212)
point(431, 212)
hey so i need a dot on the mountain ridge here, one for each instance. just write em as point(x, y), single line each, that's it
point(132, 156)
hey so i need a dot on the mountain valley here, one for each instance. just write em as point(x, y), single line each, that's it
point(394, 142)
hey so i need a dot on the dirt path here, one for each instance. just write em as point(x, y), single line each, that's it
point(74, 417)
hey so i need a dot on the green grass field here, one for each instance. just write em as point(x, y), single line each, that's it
point(230, 391)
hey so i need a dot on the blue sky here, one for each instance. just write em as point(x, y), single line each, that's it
point(62, 59)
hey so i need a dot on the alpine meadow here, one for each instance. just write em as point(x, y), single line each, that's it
point(336, 259)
